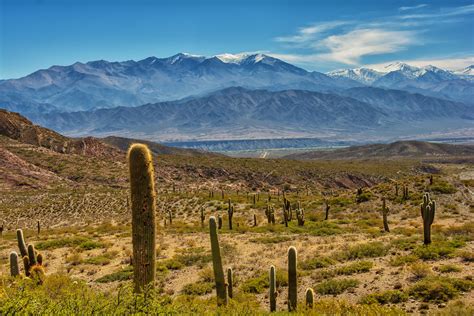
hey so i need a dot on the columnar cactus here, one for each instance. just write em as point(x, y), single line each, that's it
point(327, 207)
point(14, 268)
point(230, 283)
point(219, 222)
point(309, 298)
point(217, 264)
point(26, 264)
point(170, 216)
point(142, 189)
point(292, 280)
point(385, 211)
point(300, 215)
point(1, 229)
point(273, 289)
point(428, 209)
point(405, 195)
point(38, 228)
point(32, 255)
point(396, 189)
point(21, 243)
point(202, 217)
point(254, 220)
point(230, 213)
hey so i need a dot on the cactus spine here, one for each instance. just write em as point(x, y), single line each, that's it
point(292, 280)
point(21, 243)
point(217, 264)
point(273, 291)
point(142, 189)
point(385, 211)
point(309, 298)
point(230, 283)
point(14, 268)
point(428, 209)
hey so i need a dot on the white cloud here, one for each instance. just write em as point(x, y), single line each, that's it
point(305, 34)
point(413, 7)
point(468, 9)
point(450, 63)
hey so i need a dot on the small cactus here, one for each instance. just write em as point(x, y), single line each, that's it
point(292, 280)
point(309, 298)
point(32, 255)
point(254, 220)
point(300, 215)
point(219, 222)
point(26, 264)
point(217, 264)
point(428, 209)
point(327, 207)
point(385, 212)
point(230, 286)
point(273, 290)
point(38, 228)
point(21, 243)
point(14, 268)
point(142, 189)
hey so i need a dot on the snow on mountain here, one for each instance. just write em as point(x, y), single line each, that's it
point(362, 75)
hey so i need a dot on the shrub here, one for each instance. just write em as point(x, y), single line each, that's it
point(420, 270)
point(367, 250)
point(387, 297)
point(123, 275)
point(447, 268)
point(443, 188)
point(467, 256)
point(316, 263)
point(356, 267)
point(336, 287)
point(402, 260)
point(439, 289)
point(437, 250)
point(198, 288)
point(259, 284)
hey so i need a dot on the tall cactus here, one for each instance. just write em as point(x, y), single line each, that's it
point(230, 283)
point(385, 211)
point(273, 290)
point(14, 268)
point(230, 213)
point(309, 298)
point(428, 209)
point(217, 264)
point(142, 189)
point(21, 243)
point(292, 280)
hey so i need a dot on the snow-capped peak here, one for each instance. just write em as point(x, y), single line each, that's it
point(363, 75)
point(399, 66)
point(468, 71)
point(241, 58)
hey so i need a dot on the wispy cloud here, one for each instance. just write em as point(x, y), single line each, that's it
point(348, 42)
point(413, 7)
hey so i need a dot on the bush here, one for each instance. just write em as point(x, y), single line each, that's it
point(123, 275)
point(316, 263)
point(336, 287)
point(439, 289)
point(420, 270)
point(437, 250)
point(402, 260)
point(387, 297)
point(447, 268)
point(367, 250)
point(356, 267)
point(259, 284)
point(198, 288)
point(443, 188)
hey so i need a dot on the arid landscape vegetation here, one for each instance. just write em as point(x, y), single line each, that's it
point(71, 199)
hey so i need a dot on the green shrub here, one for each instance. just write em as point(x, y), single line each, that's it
point(259, 284)
point(439, 289)
point(198, 288)
point(398, 261)
point(443, 188)
point(316, 263)
point(447, 268)
point(335, 286)
point(353, 268)
point(387, 297)
point(437, 250)
point(122, 275)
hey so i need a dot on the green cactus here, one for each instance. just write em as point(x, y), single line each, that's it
point(327, 207)
point(142, 189)
point(428, 210)
point(273, 289)
point(14, 268)
point(230, 283)
point(21, 243)
point(300, 215)
point(32, 255)
point(230, 213)
point(217, 264)
point(309, 298)
point(385, 211)
point(26, 264)
point(292, 280)
point(170, 216)
point(219, 222)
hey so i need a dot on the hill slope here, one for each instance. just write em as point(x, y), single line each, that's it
point(396, 149)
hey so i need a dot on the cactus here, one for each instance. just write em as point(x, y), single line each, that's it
point(38, 228)
point(292, 280)
point(21, 243)
point(405, 195)
point(300, 215)
point(254, 220)
point(428, 209)
point(217, 264)
point(230, 286)
point(14, 268)
point(230, 214)
point(273, 291)
point(37, 273)
point(26, 264)
point(219, 222)
point(396, 189)
point(1, 229)
point(385, 211)
point(254, 199)
point(170, 216)
point(309, 298)
point(327, 207)
point(431, 179)
point(142, 189)
point(32, 255)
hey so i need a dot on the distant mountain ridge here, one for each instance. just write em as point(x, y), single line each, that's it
point(241, 112)
point(392, 150)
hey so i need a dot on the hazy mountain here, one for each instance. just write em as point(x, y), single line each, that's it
point(103, 84)
point(361, 75)
point(238, 111)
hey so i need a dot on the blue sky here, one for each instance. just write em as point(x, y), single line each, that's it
point(316, 35)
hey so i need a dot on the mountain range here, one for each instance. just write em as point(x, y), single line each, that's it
point(244, 96)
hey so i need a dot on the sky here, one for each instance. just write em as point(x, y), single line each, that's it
point(315, 35)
